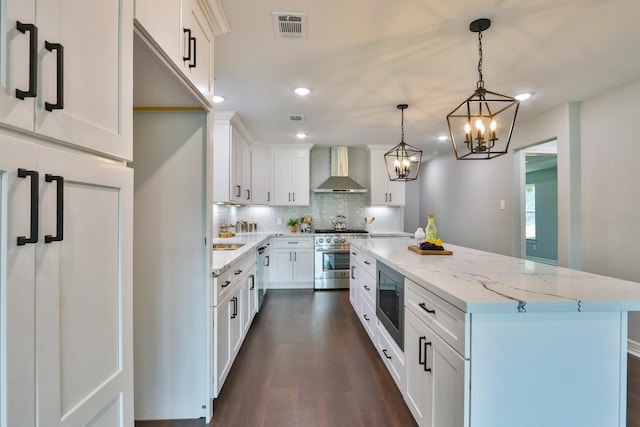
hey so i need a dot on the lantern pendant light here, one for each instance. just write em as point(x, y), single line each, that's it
point(403, 160)
point(476, 130)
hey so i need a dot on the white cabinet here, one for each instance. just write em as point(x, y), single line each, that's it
point(292, 261)
point(290, 176)
point(435, 377)
point(232, 159)
point(182, 30)
point(68, 298)
point(66, 79)
point(383, 191)
point(260, 176)
point(234, 307)
point(362, 288)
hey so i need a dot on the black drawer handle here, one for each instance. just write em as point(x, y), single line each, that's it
point(253, 282)
point(248, 194)
point(239, 191)
point(33, 237)
point(421, 360)
point(227, 283)
point(59, 105)
point(33, 61)
point(365, 317)
point(367, 262)
point(367, 288)
point(268, 196)
point(424, 307)
point(426, 344)
point(353, 267)
point(59, 208)
point(195, 50)
point(353, 253)
point(384, 350)
point(187, 31)
point(237, 272)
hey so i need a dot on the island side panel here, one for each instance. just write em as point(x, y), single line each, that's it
point(548, 369)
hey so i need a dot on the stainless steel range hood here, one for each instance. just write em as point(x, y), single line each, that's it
point(339, 181)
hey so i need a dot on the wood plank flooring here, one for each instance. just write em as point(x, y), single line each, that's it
point(306, 361)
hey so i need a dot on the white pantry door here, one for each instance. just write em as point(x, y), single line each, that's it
point(17, 286)
point(84, 342)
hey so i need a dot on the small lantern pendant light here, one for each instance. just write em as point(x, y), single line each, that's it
point(475, 121)
point(403, 160)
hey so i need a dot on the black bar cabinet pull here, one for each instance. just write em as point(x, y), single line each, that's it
point(266, 259)
point(366, 288)
point(59, 105)
point(353, 253)
point(365, 317)
point(268, 196)
point(33, 238)
point(193, 64)
point(424, 307)
point(352, 268)
point(188, 32)
point(235, 307)
point(225, 284)
point(237, 272)
point(294, 196)
point(248, 194)
point(384, 350)
point(33, 63)
point(59, 208)
point(239, 191)
point(367, 262)
point(253, 282)
point(426, 344)
point(233, 312)
point(421, 360)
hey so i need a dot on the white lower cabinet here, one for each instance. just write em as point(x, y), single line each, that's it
point(391, 354)
point(233, 311)
point(292, 263)
point(66, 290)
point(435, 377)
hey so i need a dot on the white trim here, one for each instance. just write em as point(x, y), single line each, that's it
point(633, 347)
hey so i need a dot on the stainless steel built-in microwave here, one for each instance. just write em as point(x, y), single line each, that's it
point(390, 302)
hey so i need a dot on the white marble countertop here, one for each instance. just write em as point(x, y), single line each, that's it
point(222, 260)
point(477, 281)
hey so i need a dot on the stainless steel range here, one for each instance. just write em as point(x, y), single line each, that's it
point(332, 257)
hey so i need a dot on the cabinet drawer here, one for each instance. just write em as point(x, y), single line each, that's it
point(292, 242)
point(367, 289)
point(445, 319)
point(391, 354)
point(367, 314)
point(223, 284)
point(367, 262)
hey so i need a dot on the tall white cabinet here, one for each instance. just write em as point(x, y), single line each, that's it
point(290, 174)
point(66, 210)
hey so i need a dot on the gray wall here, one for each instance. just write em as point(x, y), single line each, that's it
point(598, 196)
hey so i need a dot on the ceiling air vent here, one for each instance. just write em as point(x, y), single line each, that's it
point(296, 118)
point(290, 25)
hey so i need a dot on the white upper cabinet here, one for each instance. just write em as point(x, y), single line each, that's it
point(67, 72)
point(182, 31)
point(231, 159)
point(260, 176)
point(383, 191)
point(290, 176)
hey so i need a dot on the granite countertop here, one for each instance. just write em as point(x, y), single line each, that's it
point(222, 260)
point(478, 281)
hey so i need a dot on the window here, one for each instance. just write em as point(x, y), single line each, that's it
point(530, 211)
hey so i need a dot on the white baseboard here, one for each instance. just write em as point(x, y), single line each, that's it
point(633, 347)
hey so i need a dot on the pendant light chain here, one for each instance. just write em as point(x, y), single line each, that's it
point(402, 125)
point(480, 84)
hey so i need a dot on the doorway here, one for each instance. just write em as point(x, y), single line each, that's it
point(540, 213)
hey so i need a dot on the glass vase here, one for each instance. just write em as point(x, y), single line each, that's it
point(431, 231)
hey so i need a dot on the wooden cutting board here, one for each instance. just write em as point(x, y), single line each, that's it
point(429, 252)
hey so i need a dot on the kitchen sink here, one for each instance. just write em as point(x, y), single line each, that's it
point(227, 246)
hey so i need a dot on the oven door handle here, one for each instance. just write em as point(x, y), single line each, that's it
point(333, 251)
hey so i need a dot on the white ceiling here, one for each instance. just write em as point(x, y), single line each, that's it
point(362, 57)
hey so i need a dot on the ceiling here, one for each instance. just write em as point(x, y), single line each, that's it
point(361, 58)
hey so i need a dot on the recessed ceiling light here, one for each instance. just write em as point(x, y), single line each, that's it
point(522, 96)
point(443, 138)
point(301, 135)
point(302, 91)
point(217, 99)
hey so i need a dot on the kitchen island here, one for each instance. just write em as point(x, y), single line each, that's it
point(491, 340)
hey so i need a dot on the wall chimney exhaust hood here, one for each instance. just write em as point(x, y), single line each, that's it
point(339, 181)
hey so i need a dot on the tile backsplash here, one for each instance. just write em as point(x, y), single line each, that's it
point(323, 207)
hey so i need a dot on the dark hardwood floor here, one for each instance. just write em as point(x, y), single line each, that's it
point(306, 361)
